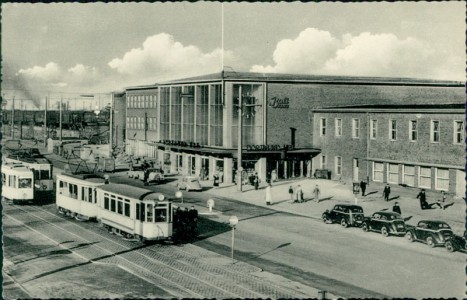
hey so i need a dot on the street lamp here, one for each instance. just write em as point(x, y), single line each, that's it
point(179, 195)
point(233, 220)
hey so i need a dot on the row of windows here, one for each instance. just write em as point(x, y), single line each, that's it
point(458, 130)
point(117, 205)
point(142, 101)
point(71, 190)
point(409, 175)
point(138, 123)
point(144, 212)
point(22, 183)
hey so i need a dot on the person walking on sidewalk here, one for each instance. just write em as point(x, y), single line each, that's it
point(268, 195)
point(291, 193)
point(363, 187)
point(316, 193)
point(299, 194)
point(256, 181)
point(396, 208)
point(422, 197)
point(386, 192)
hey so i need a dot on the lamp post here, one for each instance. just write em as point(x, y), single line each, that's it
point(233, 220)
point(179, 195)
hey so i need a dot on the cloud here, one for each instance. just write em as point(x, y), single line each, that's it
point(50, 72)
point(82, 73)
point(318, 52)
point(162, 56)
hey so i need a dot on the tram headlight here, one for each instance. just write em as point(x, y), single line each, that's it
point(161, 197)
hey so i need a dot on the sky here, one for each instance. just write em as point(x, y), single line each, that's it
point(65, 50)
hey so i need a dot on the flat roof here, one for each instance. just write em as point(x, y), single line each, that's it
point(446, 108)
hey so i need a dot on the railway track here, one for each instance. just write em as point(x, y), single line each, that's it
point(180, 270)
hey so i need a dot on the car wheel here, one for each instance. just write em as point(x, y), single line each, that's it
point(365, 227)
point(409, 236)
point(450, 246)
point(430, 242)
point(384, 231)
point(325, 219)
point(344, 223)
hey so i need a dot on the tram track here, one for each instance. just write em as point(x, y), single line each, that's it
point(199, 279)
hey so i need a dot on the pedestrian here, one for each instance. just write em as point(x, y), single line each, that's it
point(440, 204)
point(216, 180)
point(273, 175)
point(291, 193)
point(299, 194)
point(146, 176)
point(443, 193)
point(386, 192)
point(316, 192)
point(256, 181)
point(363, 187)
point(268, 195)
point(396, 208)
point(422, 197)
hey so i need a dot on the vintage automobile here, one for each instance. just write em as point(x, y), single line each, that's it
point(155, 175)
point(456, 243)
point(345, 214)
point(136, 172)
point(433, 233)
point(189, 183)
point(386, 222)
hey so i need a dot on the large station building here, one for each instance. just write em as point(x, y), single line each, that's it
point(190, 126)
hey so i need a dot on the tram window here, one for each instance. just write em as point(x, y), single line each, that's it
point(25, 183)
point(12, 180)
point(73, 190)
point(150, 212)
point(127, 208)
point(37, 175)
point(120, 207)
point(89, 195)
point(137, 211)
point(161, 214)
point(45, 174)
point(170, 212)
point(3, 179)
point(106, 201)
point(83, 194)
point(112, 205)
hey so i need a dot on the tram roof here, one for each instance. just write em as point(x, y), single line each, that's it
point(16, 168)
point(130, 191)
point(85, 177)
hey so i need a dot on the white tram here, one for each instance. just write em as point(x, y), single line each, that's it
point(76, 195)
point(17, 183)
point(135, 212)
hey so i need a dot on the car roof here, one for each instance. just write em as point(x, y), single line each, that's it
point(434, 221)
point(349, 205)
point(388, 213)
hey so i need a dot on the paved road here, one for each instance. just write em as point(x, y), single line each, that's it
point(346, 262)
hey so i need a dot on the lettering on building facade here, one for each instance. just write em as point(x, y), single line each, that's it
point(269, 147)
point(180, 143)
point(276, 102)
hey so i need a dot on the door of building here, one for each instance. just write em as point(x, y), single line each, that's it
point(192, 164)
point(460, 183)
point(355, 170)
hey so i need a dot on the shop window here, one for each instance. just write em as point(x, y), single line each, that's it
point(413, 130)
point(442, 179)
point(373, 129)
point(378, 168)
point(409, 175)
point(393, 173)
point(338, 127)
point(434, 131)
point(459, 132)
point(425, 177)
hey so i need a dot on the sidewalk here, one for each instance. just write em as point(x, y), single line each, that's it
point(333, 192)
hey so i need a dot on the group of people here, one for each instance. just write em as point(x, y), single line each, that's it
point(185, 223)
point(297, 195)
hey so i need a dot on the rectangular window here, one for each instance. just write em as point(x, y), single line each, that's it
point(434, 131)
point(322, 126)
point(409, 175)
point(73, 190)
point(112, 203)
point(120, 206)
point(338, 167)
point(373, 129)
point(393, 173)
point(127, 208)
point(323, 161)
point(106, 201)
point(378, 168)
point(355, 128)
point(442, 179)
point(137, 211)
point(392, 130)
point(413, 130)
point(459, 132)
point(424, 179)
point(90, 197)
point(338, 125)
point(161, 213)
point(150, 212)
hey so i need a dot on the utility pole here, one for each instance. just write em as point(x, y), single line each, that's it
point(13, 119)
point(111, 124)
point(45, 123)
point(239, 150)
point(60, 124)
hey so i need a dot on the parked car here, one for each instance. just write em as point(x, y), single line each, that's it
point(456, 243)
point(386, 222)
point(136, 172)
point(345, 214)
point(433, 233)
point(155, 175)
point(189, 183)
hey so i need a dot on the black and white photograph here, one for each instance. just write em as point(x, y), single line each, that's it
point(233, 150)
